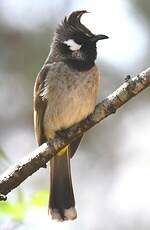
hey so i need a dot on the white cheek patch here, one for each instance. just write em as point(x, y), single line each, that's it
point(72, 45)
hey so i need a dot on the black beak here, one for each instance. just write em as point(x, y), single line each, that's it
point(98, 37)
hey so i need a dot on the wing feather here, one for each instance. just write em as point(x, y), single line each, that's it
point(39, 105)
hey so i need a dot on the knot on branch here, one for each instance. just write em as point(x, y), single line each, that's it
point(3, 197)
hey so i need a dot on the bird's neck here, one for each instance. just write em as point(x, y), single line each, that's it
point(79, 65)
point(53, 56)
point(75, 63)
point(72, 63)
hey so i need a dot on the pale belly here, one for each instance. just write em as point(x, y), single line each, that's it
point(67, 106)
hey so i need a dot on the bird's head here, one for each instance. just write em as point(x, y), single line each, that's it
point(76, 43)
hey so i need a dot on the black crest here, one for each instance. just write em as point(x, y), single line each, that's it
point(72, 25)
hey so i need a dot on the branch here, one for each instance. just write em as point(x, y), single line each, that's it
point(38, 158)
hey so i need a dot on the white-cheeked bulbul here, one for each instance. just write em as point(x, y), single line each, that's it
point(65, 92)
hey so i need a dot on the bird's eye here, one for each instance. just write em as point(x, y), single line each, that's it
point(73, 46)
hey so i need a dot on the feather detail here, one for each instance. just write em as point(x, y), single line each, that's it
point(72, 24)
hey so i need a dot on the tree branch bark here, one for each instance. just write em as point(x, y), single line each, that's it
point(15, 175)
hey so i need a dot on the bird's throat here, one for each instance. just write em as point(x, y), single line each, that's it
point(80, 65)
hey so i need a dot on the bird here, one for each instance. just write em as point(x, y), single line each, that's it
point(65, 92)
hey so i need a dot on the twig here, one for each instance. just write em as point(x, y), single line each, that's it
point(38, 158)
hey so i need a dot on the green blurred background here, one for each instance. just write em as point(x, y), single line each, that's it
point(111, 169)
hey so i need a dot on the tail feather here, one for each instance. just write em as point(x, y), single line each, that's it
point(61, 201)
point(74, 145)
